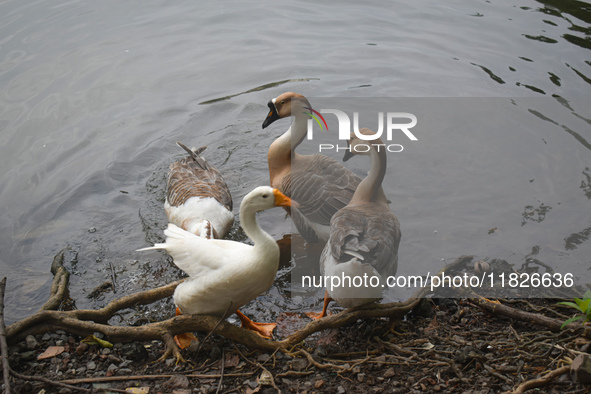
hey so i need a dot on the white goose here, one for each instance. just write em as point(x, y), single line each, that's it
point(364, 236)
point(225, 274)
point(320, 184)
point(197, 197)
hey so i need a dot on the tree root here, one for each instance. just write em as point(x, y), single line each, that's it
point(59, 286)
point(84, 322)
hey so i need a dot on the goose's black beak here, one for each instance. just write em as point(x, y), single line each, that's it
point(273, 115)
point(348, 153)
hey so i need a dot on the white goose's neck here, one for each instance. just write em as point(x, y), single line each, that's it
point(262, 240)
point(370, 188)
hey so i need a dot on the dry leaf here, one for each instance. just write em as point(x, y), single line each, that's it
point(251, 391)
point(92, 340)
point(265, 379)
point(432, 326)
point(427, 346)
point(231, 360)
point(138, 390)
point(50, 352)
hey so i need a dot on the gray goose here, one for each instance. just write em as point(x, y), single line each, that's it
point(364, 235)
point(320, 184)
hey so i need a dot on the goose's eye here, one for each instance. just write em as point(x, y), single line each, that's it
point(282, 102)
point(265, 195)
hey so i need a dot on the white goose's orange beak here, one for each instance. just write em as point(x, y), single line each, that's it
point(281, 200)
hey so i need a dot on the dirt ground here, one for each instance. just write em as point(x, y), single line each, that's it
point(446, 345)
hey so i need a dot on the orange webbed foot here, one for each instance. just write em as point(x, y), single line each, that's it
point(263, 329)
point(183, 341)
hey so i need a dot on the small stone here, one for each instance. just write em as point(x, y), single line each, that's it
point(125, 371)
point(215, 352)
point(125, 363)
point(320, 351)
point(46, 337)
point(251, 384)
point(341, 390)
point(31, 342)
point(105, 351)
point(169, 362)
point(81, 370)
point(113, 368)
point(134, 351)
point(319, 384)
point(91, 366)
point(98, 335)
point(60, 332)
point(263, 358)
point(389, 373)
point(360, 377)
point(177, 382)
point(29, 356)
point(299, 364)
point(82, 348)
point(581, 369)
point(59, 342)
point(114, 359)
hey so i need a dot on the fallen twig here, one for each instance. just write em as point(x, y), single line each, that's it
point(124, 378)
point(315, 363)
point(528, 317)
point(542, 381)
point(63, 384)
point(222, 371)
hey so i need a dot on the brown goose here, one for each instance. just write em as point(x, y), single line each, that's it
point(320, 184)
point(197, 197)
point(364, 236)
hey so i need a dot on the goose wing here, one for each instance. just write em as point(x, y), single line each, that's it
point(322, 186)
point(194, 176)
point(371, 235)
point(199, 256)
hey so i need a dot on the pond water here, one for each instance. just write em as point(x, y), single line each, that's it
point(95, 95)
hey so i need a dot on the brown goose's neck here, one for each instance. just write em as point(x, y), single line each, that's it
point(283, 148)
